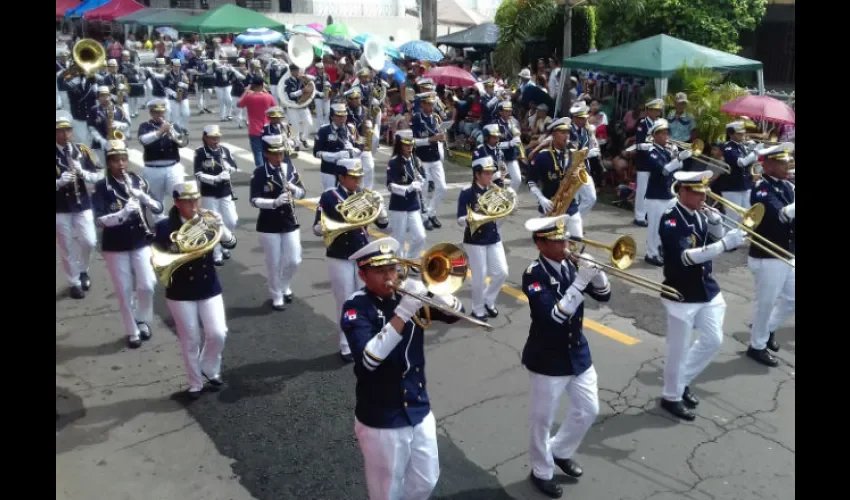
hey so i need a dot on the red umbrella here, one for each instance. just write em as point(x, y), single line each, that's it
point(451, 76)
point(760, 107)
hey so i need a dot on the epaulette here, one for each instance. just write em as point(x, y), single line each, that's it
point(668, 211)
point(531, 267)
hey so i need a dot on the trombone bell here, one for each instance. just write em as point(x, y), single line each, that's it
point(622, 251)
point(444, 267)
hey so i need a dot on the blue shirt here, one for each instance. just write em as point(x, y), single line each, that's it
point(349, 242)
point(681, 230)
point(424, 127)
point(740, 178)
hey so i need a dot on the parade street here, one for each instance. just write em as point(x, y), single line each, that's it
point(282, 428)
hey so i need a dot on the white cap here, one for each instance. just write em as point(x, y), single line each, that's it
point(681, 97)
point(559, 124)
point(381, 252)
point(579, 110)
point(115, 147)
point(240, 60)
point(738, 126)
point(351, 167)
point(525, 73)
point(492, 130)
point(160, 60)
point(102, 89)
point(176, 62)
point(186, 190)
point(659, 125)
point(484, 163)
point(655, 104)
point(550, 228)
point(212, 130)
point(780, 152)
point(425, 81)
point(112, 62)
point(125, 52)
point(696, 181)
point(339, 109)
point(405, 136)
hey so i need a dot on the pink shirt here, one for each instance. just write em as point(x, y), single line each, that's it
point(257, 103)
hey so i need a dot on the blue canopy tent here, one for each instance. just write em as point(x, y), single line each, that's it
point(84, 7)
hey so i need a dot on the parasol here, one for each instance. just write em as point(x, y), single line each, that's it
point(760, 107)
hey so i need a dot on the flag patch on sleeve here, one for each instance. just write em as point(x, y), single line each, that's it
point(670, 222)
point(534, 287)
point(351, 314)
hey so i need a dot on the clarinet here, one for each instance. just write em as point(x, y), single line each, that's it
point(420, 173)
point(69, 154)
point(149, 235)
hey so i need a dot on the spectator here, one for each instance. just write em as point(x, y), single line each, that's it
point(256, 100)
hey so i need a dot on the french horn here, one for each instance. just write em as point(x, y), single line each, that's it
point(358, 210)
point(195, 238)
point(493, 205)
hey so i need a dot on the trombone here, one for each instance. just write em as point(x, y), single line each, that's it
point(696, 149)
point(623, 251)
point(443, 267)
point(751, 218)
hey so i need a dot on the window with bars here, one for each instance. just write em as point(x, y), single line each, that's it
point(182, 4)
point(255, 4)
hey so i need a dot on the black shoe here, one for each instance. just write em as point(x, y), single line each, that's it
point(436, 222)
point(491, 311)
point(641, 223)
point(689, 398)
point(762, 356)
point(547, 486)
point(278, 306)
point(655, 261)
point(678, 409)
point(85, 281)
point(214, 381)
point(194, 395)
point(134, 342)
point(225, 254)
point(348, 358)
point(428, 225)
point(144, 330)
point(77, 292)
point(569, 466)
point(304, 143)
point(287, 298)
point(219, 262)
point(482, 317)
point(772, 344)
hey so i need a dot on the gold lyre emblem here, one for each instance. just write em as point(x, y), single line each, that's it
point(384, 249)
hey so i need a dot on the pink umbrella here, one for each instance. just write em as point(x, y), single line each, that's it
point(318, 27)
point(451, 76)
point(760, 107)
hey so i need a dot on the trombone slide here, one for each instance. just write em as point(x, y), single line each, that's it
point(440, 307)
point(661, 288)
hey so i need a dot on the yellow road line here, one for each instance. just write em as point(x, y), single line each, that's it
point(517, 294)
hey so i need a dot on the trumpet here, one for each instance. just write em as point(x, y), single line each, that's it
point(696, 149)
point(149, 234)
point(444, 268)
point(623, 251)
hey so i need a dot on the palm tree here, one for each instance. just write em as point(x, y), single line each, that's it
point(706, 94)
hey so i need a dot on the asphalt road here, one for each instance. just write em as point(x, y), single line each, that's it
point(283, 426)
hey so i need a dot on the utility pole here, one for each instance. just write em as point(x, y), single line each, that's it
point(566, 100)
point(428, 13)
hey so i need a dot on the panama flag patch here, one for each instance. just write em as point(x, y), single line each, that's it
point(670, 223)
point(534, 287)
point(762, 193)
point(351, 314)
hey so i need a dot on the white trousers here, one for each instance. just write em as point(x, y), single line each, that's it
point(190, 316)
point(76, 237)
point(403, 224)
point(162, 181)
point(433, 173)
point(328, 181)
point(640, 195)
point(180, 113)
point(124, 267)
point(168, 108)
point(203, 96)
point(376, 136)
point(515, 173)
point(227, 208)
point(484, 261)
point(101, 156)
point(401, 463)
point(323, 112)
point(740, 198)
point(81, 133)
point(685, 360)
point(775, 297)
point(367, 160)
point(575, 226)
point(654, 211)
point(273, 89)
point(301, 121)
point(240, 114)
point(283, 255)
point(126, 107)
point(546, 392)
point(344, 282)
point(587, 197)
point(225, 101)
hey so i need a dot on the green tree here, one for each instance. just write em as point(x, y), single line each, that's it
point(707, 93)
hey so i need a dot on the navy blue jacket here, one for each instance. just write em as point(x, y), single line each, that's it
point(546, 173)
point(680, 231)
point(403, 171)
point(487, 234)
point(66, 200)
point(267, 182)
point(660, 181)
point(774, 194)
point(109, 197)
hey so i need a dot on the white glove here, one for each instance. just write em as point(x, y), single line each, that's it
point(586, 273)
point(685, 154)
point(449, 301)
point(218, 220)
point(65, 179)
point(645, 146)
point(283, 198)
point(228, 168)
point(674, 165)
point(104, 144)
point(383, 217)
point(510, 190)
point(317, 230)
point(712, 215)
point(545, 203)
point(593, 153)
point(790, 211)
point(183, 85)
point(223, 177)
point(759, 147)
point(414, 186)
point(129, 209)
point(515, 141)
point(355, 153)
point(409, 305)
point(733, 239)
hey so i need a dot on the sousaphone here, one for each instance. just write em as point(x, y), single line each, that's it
point(300, 52)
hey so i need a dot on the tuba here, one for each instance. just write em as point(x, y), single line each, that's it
point(358, 210)
point(300, 52)
point(572, 181)
point(373, 57)
point(89, 57)
point(195, 238)
point(493, 205)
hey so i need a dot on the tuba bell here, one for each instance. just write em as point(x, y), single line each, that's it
point(358, 210)
point(299, 50)
point(89, 56)
point(573, 180)
point(195, 238)
point(493, 205)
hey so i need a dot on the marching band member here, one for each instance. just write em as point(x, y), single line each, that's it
point(75, 233)
point(691, 236)
point(193, 295)
point(155, 83)
point(275, 69)
point(322, 102)
point(213, 166)
point(429, 149)
point(116, 82)
point(404, 181)
point(131, 75)
point(202, 84)
point(557, 354)
point(395, 428)
point(81, 92)
point(510, 141)
point(737, 185)
point(548, 171)
point(238, 81)
point(663, 160)
point(488, 101)
point(61, 86)
point(99, 122)
point(493, 148)
point(300, 118)
point(358, 115)
point(162, 154)
point(334, 142)
point(118, 200)
point(274, 187)
point(775, 280)
point(484, 246)
point(177, 89)
point(222, 71)
point(654, 108)
point(580, 138)
point(342, 272)
point(275, 126)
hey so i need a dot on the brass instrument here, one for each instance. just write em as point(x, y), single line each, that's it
point(444, 268)
point(72, 166)
point(308, 91)
point(572, 181)
point(373, 57)
point(493, 205)
point(195, 238)
point(696, 149)
point(300, 52)
point(111, 133)
point(622, 255)
point(522, 156)
point(358, 210)
point(89, 57)
point(129, 185)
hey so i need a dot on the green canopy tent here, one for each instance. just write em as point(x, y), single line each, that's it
point(228, 19)
point(659, 57)
point(156, 17)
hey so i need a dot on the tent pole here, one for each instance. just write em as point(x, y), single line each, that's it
point(564, 73)
point(660, 88)
point(760, 77)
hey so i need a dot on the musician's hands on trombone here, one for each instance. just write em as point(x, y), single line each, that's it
point(409, 305)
